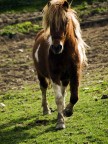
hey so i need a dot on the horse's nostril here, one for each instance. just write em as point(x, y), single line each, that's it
point(59, 47)
point(52, 46)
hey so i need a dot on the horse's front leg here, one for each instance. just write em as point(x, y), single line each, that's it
point(59, 99)
point(63, 89)
point(45, 106)
point(43, 87)
point(74, 84)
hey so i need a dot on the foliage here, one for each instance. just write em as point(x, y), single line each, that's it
point(85, 9)
point(87, 1)
point(22, 122)
point(18, 5)
point(28, 5)
point(25, 27)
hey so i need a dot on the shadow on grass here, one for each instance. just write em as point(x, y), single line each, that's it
point(22, 5)
point(16, 131)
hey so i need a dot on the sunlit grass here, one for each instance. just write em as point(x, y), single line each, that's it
point(24, 27)
point(21, 120)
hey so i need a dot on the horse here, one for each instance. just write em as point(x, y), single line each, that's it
point(59, 56)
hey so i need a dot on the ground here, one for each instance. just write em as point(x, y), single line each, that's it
point(21, 119)
point(16, 68)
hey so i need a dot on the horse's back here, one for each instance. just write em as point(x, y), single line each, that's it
point(40, 54)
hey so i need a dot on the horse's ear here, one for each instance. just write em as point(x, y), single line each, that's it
point(65, 5)
point(49, 3)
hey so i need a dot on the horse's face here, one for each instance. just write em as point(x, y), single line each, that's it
point(58, 28)
point(57, 40)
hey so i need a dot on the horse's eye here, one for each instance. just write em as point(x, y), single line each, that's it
point(49, 3)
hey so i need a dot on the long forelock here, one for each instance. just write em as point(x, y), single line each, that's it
point(54, 14)
point(57, 17)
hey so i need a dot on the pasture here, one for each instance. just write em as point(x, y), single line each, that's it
point(21, 119)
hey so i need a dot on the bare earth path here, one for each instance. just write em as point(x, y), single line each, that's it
point(16, 65)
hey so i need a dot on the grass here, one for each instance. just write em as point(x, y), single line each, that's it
point(22, 122)
point(21, 119)
point(86, 9)
point(21, 5)
point(37, 5)
point(24, 27)
point(83, 9)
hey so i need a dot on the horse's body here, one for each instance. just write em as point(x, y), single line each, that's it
point(59, 53)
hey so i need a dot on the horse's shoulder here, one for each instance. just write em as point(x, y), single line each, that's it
point(39, 34)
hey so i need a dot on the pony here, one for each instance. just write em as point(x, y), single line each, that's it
point(59, 55)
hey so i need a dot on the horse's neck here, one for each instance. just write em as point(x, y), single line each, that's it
point(71, 38)
point(71, 41)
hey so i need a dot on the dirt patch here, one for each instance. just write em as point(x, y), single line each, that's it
point(14, 18)
point(16, 67)
point(97, 39)
point(86, 15)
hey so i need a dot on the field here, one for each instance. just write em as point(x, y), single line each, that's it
point(21, 119)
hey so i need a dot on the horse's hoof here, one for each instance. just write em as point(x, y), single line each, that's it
point(60, 126)
point(46, 112)
point(68, 112)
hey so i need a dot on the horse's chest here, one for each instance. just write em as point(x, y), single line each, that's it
point(59, 65)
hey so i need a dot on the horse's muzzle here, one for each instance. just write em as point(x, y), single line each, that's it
point(56, 49)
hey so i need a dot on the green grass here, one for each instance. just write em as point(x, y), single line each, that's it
point(86, 9)
point(22, 122)
point(36, 5)
point(24, 27)
point(21, 5)
point(82, 8)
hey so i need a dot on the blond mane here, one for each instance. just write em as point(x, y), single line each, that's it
point(56, 12)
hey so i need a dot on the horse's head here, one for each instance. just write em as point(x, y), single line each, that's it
point(57, 21)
